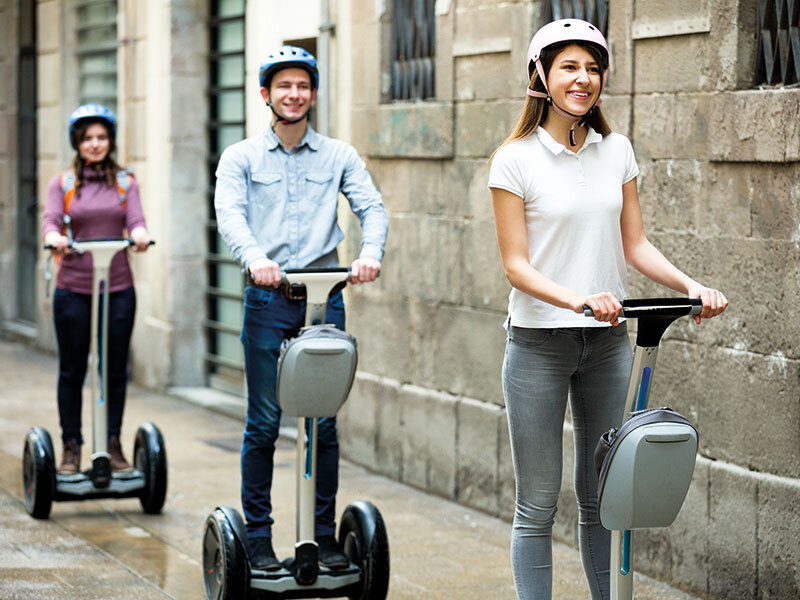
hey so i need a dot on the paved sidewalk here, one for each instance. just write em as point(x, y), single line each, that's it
point(110, 549)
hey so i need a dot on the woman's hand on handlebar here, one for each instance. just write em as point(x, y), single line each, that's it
point(605, 306)
point(714, 301)
point(364, 270)
point(141, 239)
point(59, 243)
point(265, 272)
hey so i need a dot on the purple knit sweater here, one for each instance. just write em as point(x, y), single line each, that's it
point(96, 213)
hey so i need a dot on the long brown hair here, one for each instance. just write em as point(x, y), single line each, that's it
point(534, 111)
point(108, 167)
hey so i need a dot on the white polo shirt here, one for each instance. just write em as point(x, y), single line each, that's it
point(573, 202)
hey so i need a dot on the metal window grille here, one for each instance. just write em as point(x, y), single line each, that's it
point(594, 11)
point(224, 361)
point(413, 49)
point(97, 51)
point(778, 47)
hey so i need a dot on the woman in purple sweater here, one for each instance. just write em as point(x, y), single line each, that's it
point(102, 201)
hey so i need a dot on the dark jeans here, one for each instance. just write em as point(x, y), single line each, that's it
point(269, 319)
point(71, 313)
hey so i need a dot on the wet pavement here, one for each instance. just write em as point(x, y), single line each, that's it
point(111, 549)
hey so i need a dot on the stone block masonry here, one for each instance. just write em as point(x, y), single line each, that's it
point(719, 194)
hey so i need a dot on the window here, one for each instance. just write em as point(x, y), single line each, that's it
point(594, 11)
point(97, 51)
point(413, 49)
point(778, 47)
point(224, 358)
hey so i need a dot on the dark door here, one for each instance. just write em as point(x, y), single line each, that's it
point(27, 213)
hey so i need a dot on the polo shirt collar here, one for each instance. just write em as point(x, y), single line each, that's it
point(311, 139)
point(556, 148)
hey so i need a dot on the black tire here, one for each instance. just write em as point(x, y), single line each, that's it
point(38, 473)
point(150, 457)
point(364, 540)
point(225, 570)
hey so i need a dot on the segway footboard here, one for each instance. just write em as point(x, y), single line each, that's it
point(645, 470)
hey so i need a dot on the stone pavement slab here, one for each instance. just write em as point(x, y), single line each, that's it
point(111, 549)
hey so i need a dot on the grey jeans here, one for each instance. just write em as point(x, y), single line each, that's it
point(540, 367)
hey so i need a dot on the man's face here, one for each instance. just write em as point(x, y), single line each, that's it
point(290, 92)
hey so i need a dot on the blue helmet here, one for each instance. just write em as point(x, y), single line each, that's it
point(92, 111)
point(284, 58)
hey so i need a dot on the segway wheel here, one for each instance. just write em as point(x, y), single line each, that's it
point(38, 473)
point(362, 534)
point(150, 457)
point(225, 571)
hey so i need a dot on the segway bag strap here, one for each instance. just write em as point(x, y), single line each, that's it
point(316, 371)
point(645, 469)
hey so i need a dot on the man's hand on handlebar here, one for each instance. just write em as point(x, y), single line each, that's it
point(265, 272)
point(364, 270)
point(714, 301)
point(605, 307)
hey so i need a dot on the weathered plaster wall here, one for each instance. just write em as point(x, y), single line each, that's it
point(719, 193)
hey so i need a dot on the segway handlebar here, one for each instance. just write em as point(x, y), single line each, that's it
point(316, 270)
point(656, 307)
point(75, 243)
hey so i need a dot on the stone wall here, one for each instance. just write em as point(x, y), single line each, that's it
point(719, 194)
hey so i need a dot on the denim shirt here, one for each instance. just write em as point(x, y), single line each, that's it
point(283, 205)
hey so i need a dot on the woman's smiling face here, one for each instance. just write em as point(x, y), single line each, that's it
point(95, 144)
point(575, 79)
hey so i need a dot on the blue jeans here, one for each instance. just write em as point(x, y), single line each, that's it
point(71, 314)
point(540, 367)
point(269, 319)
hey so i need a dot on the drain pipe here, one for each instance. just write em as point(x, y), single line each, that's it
point(326, 29)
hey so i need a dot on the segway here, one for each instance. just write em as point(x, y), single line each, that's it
point(315, 373)
point(148, 480)
point(645, 467)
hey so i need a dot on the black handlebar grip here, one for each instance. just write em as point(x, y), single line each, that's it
point(656, 307)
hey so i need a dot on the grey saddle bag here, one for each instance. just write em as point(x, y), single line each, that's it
point(645, 468)
point(316, 371)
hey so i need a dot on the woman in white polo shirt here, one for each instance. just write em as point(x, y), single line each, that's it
point(568, 220)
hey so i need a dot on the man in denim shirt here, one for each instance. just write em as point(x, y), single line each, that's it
point(276, 204)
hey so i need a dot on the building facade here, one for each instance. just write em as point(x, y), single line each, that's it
point(426, 90)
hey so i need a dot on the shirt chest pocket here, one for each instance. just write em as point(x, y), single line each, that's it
point(317, 186)
point(266, 187)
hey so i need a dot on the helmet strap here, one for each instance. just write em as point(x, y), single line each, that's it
point(283, 120)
